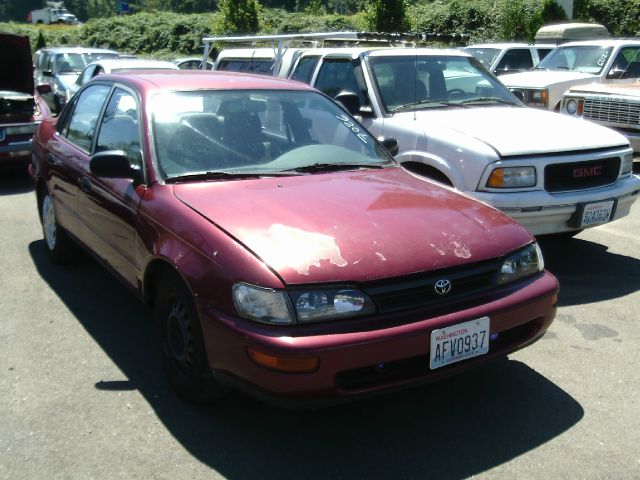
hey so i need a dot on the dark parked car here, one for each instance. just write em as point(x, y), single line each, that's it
point(21, 105)
point(283, 250)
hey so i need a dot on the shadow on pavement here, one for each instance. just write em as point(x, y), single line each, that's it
point(452, 429)
point(588, 272)
point(14, 181)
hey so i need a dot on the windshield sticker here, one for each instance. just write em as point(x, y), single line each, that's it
point(603, 59)
point(347, 123)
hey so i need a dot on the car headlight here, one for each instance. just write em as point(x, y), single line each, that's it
point(521, 264)
point(262, 304)
point(330, 304)
point(512, 177)
point(300, 306)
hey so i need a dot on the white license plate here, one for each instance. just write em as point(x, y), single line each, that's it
point(459, 342)
point(594, 213)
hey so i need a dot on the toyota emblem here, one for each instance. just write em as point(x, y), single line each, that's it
point(442, 287)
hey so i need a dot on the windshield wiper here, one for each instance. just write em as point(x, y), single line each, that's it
point(487, 100)
point(216, 175)
point(331, 167)
point(435, 103)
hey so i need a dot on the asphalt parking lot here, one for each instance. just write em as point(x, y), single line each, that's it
point(82, 395)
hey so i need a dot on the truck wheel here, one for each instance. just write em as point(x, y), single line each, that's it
point(184, 358)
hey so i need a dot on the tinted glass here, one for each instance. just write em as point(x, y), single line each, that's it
point(255, 131)
point(626, 64)
point(516, 59)
point(304, 69)
point(84, 118)
point(119, 128)
point(586, 59)
point(248, 66)
point(336, 76)
point(420, 82)
point(486, 56)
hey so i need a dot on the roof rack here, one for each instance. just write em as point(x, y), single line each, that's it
point(281, 42)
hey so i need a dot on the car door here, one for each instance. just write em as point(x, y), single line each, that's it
point(109, 206)
point(68, 154)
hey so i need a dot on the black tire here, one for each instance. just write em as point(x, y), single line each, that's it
point(60, 247)
point(184, 358)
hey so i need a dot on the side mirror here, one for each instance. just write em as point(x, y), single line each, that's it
point(47, 73)
point(44, 88)
point(114, 164)
point(349, 100)
point(390, 145)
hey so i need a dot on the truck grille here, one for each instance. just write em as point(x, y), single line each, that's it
point(417, 291)
point(563, 177)
point(612, 111)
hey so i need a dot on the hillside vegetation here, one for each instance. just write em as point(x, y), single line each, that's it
point(164, 34)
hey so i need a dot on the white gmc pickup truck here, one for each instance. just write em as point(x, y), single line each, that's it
point(455, 123)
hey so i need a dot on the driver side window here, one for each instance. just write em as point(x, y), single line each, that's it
point(119, 129)
point(85, 116)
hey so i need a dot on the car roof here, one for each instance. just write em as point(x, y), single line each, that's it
point(76, 50)
point(181, 80)
point(111, 63)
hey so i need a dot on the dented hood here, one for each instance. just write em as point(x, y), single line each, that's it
point(353, 226)
point(17, 71)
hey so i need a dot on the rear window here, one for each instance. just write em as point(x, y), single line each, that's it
point(259, 66)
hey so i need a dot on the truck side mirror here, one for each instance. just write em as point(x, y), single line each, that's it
point(390, 145)
point(349, 100)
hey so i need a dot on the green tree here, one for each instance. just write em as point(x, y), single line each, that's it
point(239, 16)
point(387, 15)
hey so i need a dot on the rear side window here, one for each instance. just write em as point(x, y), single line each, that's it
point(259, 66)
point(83, 120)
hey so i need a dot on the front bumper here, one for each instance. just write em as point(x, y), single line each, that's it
point(544, 213)
point(360, 360)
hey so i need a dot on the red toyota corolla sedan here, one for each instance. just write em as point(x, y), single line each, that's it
point(283, 250)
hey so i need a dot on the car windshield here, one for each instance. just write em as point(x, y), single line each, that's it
point(434, 81)
point(257, 132)
point(486, 56)
point(584, 58)
point(75, 62)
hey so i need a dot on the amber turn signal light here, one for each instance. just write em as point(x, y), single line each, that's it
point(285, 364)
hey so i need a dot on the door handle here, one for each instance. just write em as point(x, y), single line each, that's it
point(85, 184)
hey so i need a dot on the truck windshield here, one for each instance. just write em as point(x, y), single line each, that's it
point(435, 81)
point(583, 58)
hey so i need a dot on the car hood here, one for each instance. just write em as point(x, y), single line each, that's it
point(15, 55)
point(543, 78)
point(354, 226)
point(520, 131)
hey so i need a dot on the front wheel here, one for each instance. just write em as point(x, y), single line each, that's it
point(184, 358)
point(59, 245)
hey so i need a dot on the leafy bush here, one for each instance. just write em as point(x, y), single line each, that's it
point(621, 17)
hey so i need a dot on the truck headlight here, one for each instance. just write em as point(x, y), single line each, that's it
point(521, 264)
point(627, 164)
point(512, 177)
point(574, 106)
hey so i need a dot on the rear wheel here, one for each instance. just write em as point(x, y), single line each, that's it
point(184, 358)
point(59, 245)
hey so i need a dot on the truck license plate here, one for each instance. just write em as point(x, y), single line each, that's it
point(594, 213)
point(459, 342)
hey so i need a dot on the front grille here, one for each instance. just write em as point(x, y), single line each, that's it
point(416, 291)
point(612, 111)
point(417, 368)
point(563, 177)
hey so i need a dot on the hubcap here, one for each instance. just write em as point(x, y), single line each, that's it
point(179, 337)
point(49, 226)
